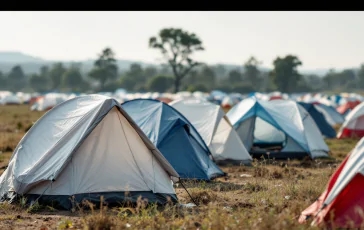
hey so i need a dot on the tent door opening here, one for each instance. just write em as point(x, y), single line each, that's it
point(266, 137)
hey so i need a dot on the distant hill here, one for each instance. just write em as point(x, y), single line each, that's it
point(31, 64)
point(18, 57)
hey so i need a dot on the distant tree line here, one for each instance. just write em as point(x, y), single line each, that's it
point(180, 73)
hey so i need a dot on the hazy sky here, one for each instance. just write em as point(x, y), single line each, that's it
point(320, 39)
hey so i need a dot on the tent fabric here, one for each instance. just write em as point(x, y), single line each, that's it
point(302, 134)
point(343, 196)
point(331, 115)
point(86, 145)
point(10, 100)
point(320, 120)
point(175, 137)
point(215, 129)
point(350, 105)
point(354, 123)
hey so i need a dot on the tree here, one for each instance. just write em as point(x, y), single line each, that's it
point(361, 76)
point(220, 71)
point(39, 83)
point(150, 72)
point(235, 76)
point(16, 78)
point(197, 87)
point(3, 82)
point(343, 80)
point(191, 78)
point(134, 78)
point(285, 75)
point(72, 79)
point(160, 83)
point(314, 81)
point(56, 74)
point(251, 71)
point(44, 71)
point(329, 79)
point(105, 68)
point(177, 46)
point(207, 77)
point(243, 88)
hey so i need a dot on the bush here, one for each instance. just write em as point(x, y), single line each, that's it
point(197, 87)
point(243, 88)
point(160, 83)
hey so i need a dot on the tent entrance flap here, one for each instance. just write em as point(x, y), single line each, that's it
point(267, 137)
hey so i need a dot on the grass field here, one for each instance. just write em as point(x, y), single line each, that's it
point(269, 195)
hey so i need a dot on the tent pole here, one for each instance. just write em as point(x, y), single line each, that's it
point(188, 193)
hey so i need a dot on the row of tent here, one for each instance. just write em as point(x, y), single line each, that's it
point(335, 108)
point(345, 101)
point(80, 147)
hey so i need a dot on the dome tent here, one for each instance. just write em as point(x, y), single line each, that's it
point(175, 137)
point(214, 127)
point(87, 147)
point(319, 119)
point(283, 124)
point(342, 203)
point(354, 123)
point(332, 116)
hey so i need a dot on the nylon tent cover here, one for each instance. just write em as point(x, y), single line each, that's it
point(175, 137)
point(354, 123)
point(320, 120)
point(84, 148)
point(214, 127)
point(282, 121)
point(331, 115)
point(350, 105)
point(341, 205)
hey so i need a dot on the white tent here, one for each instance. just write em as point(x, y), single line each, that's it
point(87, 147)
point(282, 124)
point(10, 100)
point(354, 123)
point(215, 129)
point(48, 101)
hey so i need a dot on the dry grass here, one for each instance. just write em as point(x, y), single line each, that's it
point(269, 195)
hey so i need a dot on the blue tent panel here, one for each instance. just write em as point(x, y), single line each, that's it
point(175, 137)
point(320, 120)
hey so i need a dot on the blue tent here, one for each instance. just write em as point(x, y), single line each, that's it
point(282, 124)
point(320, 120)
point(175, 137)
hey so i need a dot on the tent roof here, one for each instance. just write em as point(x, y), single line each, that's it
point(355, 113)
point(277, 113)
point(205, 109)
point(175, 136)
point(48, 146)
point(320, 120)
point(150, 113)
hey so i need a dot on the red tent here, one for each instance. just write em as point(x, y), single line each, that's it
point(353, 126)
point(164, 99)
point(275, 98)
point(348, 105)
point(342, 204)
